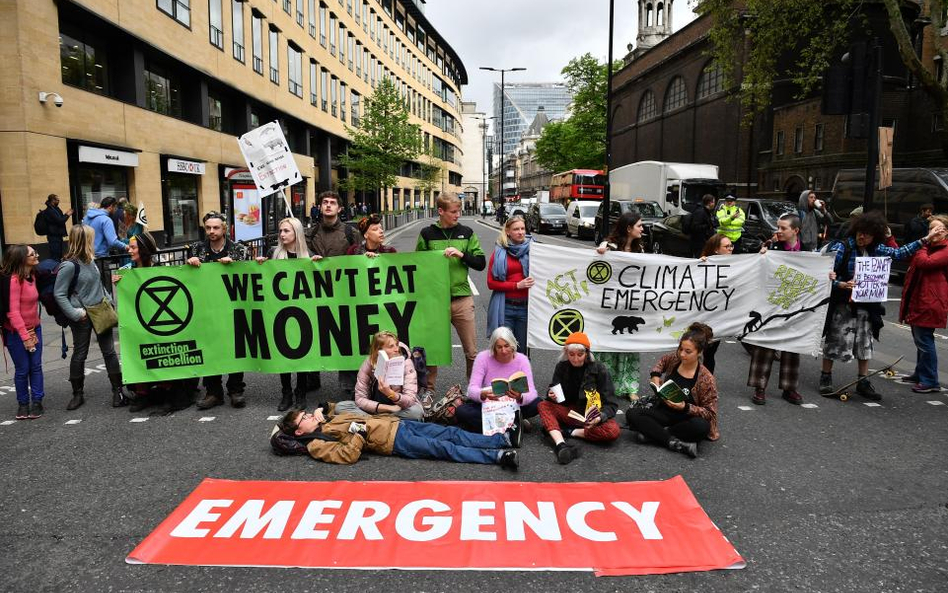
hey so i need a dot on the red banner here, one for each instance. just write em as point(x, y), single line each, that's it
point(623, 528)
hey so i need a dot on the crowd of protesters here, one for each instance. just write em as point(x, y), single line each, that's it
point(579, 402)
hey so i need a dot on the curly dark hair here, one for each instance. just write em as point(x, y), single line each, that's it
point(871, 223)
point(621, 231)
point(698, 334)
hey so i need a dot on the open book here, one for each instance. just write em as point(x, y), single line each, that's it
point(593, 407)
point(517, 382)
point(391, 370)
point(669, 390)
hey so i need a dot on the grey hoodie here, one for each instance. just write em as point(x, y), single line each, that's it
point(89, 290)
point(810, 222)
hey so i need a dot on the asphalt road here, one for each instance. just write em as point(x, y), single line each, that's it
point(836, 497)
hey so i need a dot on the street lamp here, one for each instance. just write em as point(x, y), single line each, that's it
point(483, 126)
point(502, 129)
point(606, 192)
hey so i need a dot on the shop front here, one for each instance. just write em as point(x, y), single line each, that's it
point(96, 172)
point(180, 183)
point(250, 215)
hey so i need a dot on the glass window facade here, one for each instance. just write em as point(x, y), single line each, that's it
point(162, 91)
point(274, 56)
point(521, 103)
point(677, 95)
point(237, 9)
point(216, 24)
point(647, 107)
point(256, 26)
point(83, 65)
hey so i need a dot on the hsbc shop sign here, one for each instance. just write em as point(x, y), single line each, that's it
point(183, 166)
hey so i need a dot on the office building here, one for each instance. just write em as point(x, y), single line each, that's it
point(522, 100)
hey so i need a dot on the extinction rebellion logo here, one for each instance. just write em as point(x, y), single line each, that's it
point(165, 308)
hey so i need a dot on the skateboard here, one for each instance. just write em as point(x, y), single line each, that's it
point(844, 392)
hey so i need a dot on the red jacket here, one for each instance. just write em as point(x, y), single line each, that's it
point(514, 275)
point(925, 292)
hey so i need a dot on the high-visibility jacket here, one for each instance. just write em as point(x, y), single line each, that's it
point(728, 226)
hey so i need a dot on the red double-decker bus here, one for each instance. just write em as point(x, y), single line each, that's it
point(577, 184)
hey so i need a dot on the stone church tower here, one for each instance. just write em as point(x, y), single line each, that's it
point(655, 24)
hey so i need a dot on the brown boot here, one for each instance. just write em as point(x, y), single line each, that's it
point(210, 400)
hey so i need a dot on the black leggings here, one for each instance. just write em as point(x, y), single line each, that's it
point(286, 382)
point(707, 357)
point(661, 423)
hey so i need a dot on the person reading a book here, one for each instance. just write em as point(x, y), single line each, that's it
point(332, 437)
point(580, 401)
point(508, 276)
point(499, 371)
point(685, 409)
point(386, 383)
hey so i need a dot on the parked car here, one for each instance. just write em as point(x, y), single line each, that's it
point(517, 209)
point(669, 238)
point(581, 218)
point(546, 217)
point(760, 222)
point(651, 213)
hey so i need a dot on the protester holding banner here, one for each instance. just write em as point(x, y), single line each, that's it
point(291, 244)
point(787, 238)
point(501, 360)
point(717, 244)
point(924, 305)
point(679, 424)
point(22, 330)
point(332, 237)
point(850, 327)
point(509, 277)
point(171, 395)
point(341, 439)
point(581, 388)
point(460, 245)
point(624, 366)
point(75, 299)
point(373, 394)
point(373, 238)
point(217, 247)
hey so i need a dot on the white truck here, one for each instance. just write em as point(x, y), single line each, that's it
point(677, 187)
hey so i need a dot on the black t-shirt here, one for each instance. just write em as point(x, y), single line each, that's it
point(573, 383)
point(687, 385)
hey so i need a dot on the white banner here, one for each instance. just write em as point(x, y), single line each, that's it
point(643, 302)
point(269, 159)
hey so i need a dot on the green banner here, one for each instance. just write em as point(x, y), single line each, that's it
point(279, 316)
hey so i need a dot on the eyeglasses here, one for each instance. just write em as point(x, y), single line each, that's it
point(32, 254)
point(731, 246)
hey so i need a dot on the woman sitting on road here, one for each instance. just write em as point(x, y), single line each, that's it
point(500, 360)
point(924, 305)
point(508, 275)
point(718, 244)
point(22, 330)
point(587, 391)
point(680, 425)
point(373, 238)
point(88, 291)
point(624, 366)
point(374, 395)
point(291, 244)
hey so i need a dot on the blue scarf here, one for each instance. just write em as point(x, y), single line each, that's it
point(498, 299)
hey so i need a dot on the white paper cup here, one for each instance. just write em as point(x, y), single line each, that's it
point(558, 395)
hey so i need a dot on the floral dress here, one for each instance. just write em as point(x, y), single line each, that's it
point(624, 370)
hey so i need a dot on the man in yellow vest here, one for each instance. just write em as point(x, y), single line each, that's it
point(731, 220)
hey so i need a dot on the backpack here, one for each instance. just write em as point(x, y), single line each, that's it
point(444, 410)
point(40, 224)
point(46, 273)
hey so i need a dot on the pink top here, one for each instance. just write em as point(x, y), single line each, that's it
point(24, 307)
point(408, 391)
point(486, 368)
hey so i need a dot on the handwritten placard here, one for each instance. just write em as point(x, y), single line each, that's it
point(871, 279)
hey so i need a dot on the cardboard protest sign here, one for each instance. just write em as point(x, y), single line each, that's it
point(629, 302)
point(871, 279)
point(279, 316)
point(269, 158)
point(622, 528)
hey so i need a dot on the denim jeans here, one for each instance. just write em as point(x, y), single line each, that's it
point(926, 367)
point(515, 317)
point(81, 336)
point(420, 440)
point(28, 366)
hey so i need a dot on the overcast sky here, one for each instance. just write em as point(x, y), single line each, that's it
point(539, 35)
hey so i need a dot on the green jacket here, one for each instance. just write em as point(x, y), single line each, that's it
point(462, 238)
point(731, 228)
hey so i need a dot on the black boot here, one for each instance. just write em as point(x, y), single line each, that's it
point(119, 397)
point(286, 401)
point(301, 398)
point(77, 396)
point(688, 448)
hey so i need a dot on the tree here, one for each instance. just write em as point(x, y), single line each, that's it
point(579, 142)
point(383, 141)
point(810, 33)
point(429, 171)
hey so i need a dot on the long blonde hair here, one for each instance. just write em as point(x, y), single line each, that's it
point(378, 342)
point(81, 244)
point(299, 246)
point(502, 239)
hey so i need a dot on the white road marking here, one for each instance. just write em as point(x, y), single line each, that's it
point(872, 404)
point(143, 419)
point(456, 346)
point(7, 422)
point(936, 403)
point(273, 417)
point(809, 406)
point(207, 418)
point(745, 408)
point(73, 421)
point(473, 288)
